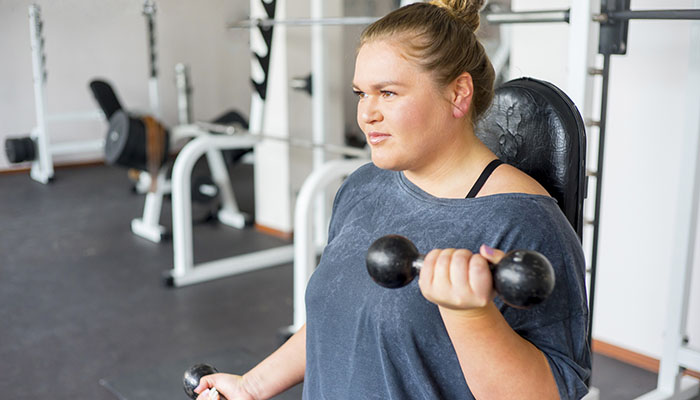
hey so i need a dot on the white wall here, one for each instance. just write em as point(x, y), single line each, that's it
point(638, 229)
point(645, 131)
point(108, 39)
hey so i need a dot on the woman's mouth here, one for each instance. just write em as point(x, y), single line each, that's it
point(377, 137)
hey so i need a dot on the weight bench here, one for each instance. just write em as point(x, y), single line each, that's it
point(127, 143)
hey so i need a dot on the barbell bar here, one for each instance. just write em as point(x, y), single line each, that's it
point(492, 17)
point(622, 15)
point(266, 22)
point(233, 130)
point(524, 17)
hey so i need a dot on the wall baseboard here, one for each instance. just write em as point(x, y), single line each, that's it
point(75, 164)
point(274, 232)
point(91, 163)
point(632, 358)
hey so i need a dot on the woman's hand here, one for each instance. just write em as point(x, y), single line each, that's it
point(459, 279)
point(232, 387)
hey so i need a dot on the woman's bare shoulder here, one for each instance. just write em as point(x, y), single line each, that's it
point(508, 179)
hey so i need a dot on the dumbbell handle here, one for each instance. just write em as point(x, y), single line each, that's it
point(418, 263)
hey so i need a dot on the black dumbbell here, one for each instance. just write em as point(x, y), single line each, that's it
point(190, 380)
point(523, 278)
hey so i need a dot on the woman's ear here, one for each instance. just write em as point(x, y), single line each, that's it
point(462, 91)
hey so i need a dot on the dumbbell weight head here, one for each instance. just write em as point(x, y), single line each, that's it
point(390, 261)
point(125, 144)
point(523, 278)
point(20, 149)
point(190, 379)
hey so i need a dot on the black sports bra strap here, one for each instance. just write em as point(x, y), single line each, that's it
point(483, 177)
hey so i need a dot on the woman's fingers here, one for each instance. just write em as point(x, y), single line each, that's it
point(207, 386)
point(205, 383)
point(442, 267)
point(209, 394)
point(458, 279)
point(427, 270)
point(459, 267)
point(481, 280)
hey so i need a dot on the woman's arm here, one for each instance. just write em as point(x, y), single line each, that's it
point(281, 370)
point(497, 362)
point(278, 372)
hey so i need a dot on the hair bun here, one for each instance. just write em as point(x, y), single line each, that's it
point(465, 10)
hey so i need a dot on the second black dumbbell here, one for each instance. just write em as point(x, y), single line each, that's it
point(190, 379)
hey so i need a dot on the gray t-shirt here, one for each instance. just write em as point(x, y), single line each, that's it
point(364, 341)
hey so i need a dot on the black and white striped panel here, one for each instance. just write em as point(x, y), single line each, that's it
point(35, 16)
point(264, 60)
point(149, 11)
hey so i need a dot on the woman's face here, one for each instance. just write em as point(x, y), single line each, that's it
point(404, 115)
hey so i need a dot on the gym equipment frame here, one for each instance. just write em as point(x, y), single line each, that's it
point(184, 271)
point(42, 166)
point(41, 150)
point(614, 18)
point(148, 226)
point(302, 252)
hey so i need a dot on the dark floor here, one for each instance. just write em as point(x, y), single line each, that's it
point(84, 313)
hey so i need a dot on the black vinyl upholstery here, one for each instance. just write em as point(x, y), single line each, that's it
point(106, 97)
point(534, 126)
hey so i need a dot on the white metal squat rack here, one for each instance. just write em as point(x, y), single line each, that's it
point(42, 167)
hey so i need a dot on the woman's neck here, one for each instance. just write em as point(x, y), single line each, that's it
point(455, 170)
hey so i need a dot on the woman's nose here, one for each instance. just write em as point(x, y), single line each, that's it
point(369, 112)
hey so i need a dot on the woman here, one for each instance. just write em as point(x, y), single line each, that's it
point(423, 80)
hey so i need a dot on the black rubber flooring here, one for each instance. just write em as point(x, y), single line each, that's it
point(84, 313)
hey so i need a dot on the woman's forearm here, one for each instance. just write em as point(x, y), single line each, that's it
point(281, 370)
point(497, 362)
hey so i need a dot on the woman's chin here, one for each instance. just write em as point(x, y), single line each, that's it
point(385, 163)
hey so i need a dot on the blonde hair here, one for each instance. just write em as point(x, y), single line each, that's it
point(440, 37)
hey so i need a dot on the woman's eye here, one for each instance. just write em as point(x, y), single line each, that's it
point(360, 94)
point(387, 93)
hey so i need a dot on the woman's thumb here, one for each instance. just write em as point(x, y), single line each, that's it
point(494, 256)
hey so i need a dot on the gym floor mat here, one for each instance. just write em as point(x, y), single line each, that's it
point(164, 381)
point(81, 297)
point(619, 381)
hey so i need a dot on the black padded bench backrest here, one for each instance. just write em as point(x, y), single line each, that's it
point(106, 97)
point(534, 126)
